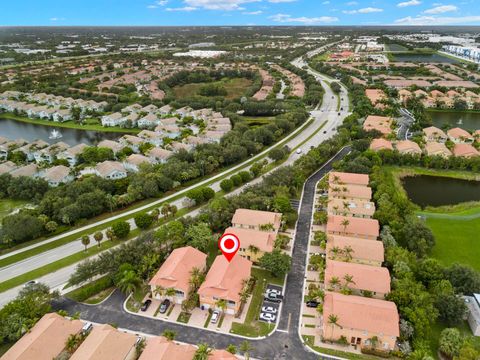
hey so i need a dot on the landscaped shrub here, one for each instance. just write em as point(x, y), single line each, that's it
point(87, 291)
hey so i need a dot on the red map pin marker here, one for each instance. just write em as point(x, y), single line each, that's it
point(229, 245)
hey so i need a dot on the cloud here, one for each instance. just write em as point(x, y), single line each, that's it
point(441, 9)
point(352, 3)
point(284, 18)
point(56, 19)
point(409, 3)
point(185, 8)
point(253, 12)
point(367, 10)
point(326, 2)
point(157, 4)
point(433, 20)
point(281, 1)
point(226, 5)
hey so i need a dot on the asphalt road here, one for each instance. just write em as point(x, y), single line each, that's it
point(284, 343)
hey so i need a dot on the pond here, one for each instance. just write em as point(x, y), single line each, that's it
point(395, 47)
point(418, 57)
point(424, 190)
point(16, 129)
point(465, 120)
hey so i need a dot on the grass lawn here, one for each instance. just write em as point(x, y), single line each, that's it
point(258, 120)
point(252, 327)
point(343, 354)
point(437, 329)
point(456, 240)
point(235, 87)
point(135, 302)
point(7, 206)
point(184, 317)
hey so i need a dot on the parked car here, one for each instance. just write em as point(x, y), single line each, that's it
point(267, 317)
point(274, 291)
point(215, 317)
point(146, 305)
point(164, 306)
point(87, 327)
point(273, 297)
point(269, 309)
point(312, 304)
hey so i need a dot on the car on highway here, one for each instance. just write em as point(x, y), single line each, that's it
point(273, 297)
point(215, 317)
point(269, 309)
point(267, 317)
point(164, 306)
point(312, 304)
point(299, 151)
point(324, 131)
point(146, 305)
point(29, 283)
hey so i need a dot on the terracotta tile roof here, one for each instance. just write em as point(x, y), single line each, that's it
point(408, 147)
point(350, 191)
point(256, 218)
point(176, 270)
point(375, 95)
point(361, 313)
point(159, 348)
point(465, 150)
point(45, 340)
point(459, 133)
point(221, 355)
point(379, 123)
point(351, 207)
point(261, 239)
point(363, 249)
point(225, 279)
point(27, 170)
point(105, 343)
point(434, 148)
point(348, 178)
point(137, 159)
point(365, 277)
point(6, 167)
point(364, 227)
point(110, 144)
point(56, 173)
point(434, 131)
point(107, 167)
point(160, 153)
point(381, 144)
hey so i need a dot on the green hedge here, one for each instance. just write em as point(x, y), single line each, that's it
point(87, 291)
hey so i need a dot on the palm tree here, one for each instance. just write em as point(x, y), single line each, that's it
point(202, 353)
point(170, 292)
point(196, 278)
point(165, 210)
point(169, 334)
point(173, 210)
point(221, 304)
point(129, 282)
point(334, 282)
point(110, 234)
point(98, 236)
point(85, 241)
point(72, 343)
point(348, 280)
point(159, 290)
point(332, 320)
point(345, 222)
point(334, 251)
point(245, 347)
point(347, 252)
point(253, 249)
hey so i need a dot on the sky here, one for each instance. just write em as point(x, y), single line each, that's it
point(239, 12)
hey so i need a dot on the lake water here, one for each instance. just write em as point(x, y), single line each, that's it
point(15, 130)
point(436, 58)
point(469, 120)
point(425, 190)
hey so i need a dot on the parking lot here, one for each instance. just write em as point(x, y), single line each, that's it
point(270, 304)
